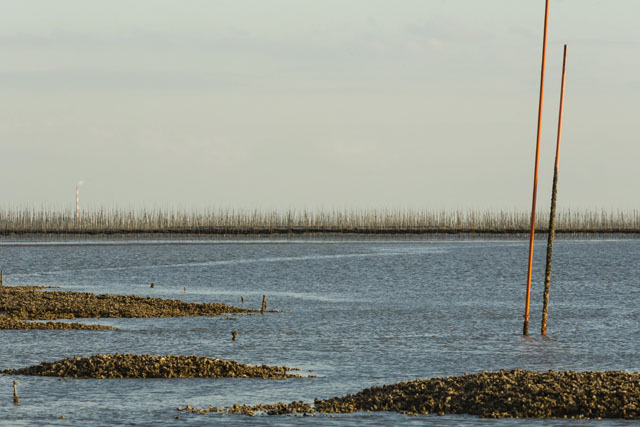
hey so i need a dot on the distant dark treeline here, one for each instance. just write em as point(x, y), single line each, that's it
point(243, 222)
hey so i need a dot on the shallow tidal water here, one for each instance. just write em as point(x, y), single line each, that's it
point(356, 313)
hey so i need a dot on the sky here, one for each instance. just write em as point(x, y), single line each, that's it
point(332, 104)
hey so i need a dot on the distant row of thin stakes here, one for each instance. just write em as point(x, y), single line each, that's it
point(231, 221)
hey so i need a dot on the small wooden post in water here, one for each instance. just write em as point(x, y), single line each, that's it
point(1, 277)
point(525, 327)
point(15, 392)
point(264, 304)
point(552, 214)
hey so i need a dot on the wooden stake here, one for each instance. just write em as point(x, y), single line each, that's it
point(264, 304)
point(15, 392)
point(525, 327)
point(552, 214)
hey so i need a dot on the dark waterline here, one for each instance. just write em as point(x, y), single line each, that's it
point(358, 312)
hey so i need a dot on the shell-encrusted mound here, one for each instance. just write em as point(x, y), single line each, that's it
point(515, 393)
point(148, 366)
point(19, 303)
point(7, 322)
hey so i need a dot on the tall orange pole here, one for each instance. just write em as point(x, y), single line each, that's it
point(525, 328)
point(552, 213)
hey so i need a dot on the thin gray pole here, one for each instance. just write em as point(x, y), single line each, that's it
point(552, 214)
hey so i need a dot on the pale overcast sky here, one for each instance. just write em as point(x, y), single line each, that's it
point(315, 104)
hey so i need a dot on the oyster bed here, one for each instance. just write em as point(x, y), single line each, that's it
point(9, 322)
point(19, 303)
point(517, 393)
point(147, 366)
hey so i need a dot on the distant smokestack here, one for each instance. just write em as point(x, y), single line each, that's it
point(77, 204)
point(77, 217)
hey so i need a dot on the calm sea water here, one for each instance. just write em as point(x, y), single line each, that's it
point(357, 313)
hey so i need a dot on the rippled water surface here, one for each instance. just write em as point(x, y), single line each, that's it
point(356, 313)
